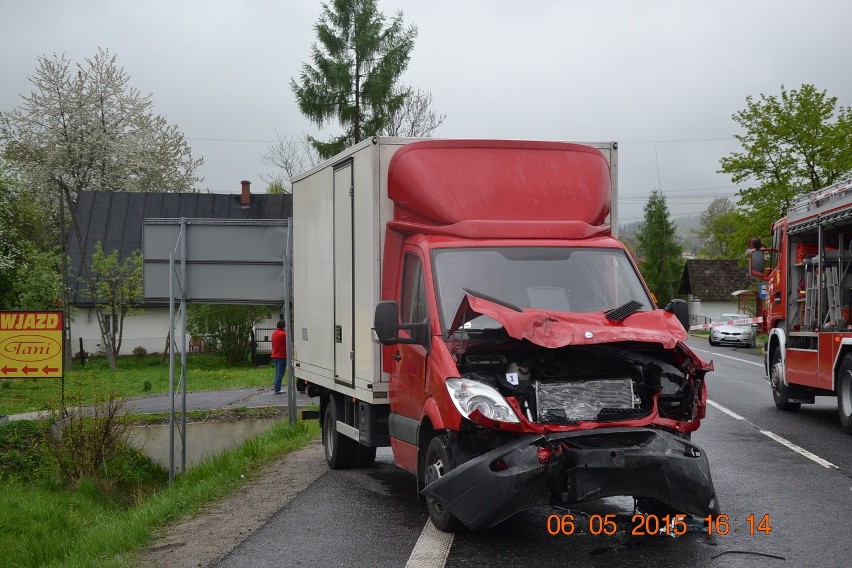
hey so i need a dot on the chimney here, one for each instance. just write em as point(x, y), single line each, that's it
point(245, 198)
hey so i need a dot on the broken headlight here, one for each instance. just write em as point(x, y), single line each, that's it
point(470, 395)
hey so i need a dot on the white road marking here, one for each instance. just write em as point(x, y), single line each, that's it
point(781, 440)
point(432, 548)
point(824, 463)
point(713, 353)
point(730, 413)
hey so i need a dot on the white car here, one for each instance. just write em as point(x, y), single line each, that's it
point(740, 334)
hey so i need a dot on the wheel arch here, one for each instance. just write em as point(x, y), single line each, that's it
point(776, 342)
point(425, 433)
point(845, 348)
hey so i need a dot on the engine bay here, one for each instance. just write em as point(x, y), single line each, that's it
point(572, 384)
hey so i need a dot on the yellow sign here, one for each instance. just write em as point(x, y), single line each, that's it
point(30, 344)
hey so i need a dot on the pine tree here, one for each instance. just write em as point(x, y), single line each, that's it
point(661, 263)
point(356, 65)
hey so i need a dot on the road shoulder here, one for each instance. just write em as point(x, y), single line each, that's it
point(208, 537)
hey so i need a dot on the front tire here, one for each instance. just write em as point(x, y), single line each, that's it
point(340, 450)
point(439, 461)
point(780, 391)
point(844, 394)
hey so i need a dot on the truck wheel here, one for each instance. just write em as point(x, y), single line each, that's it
point(780, 391)
point(339, 449)
point(844, 394)
point(438, 462)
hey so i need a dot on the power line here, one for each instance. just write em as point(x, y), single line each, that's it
point(234, 140)
point(676, 140)
point(667, 191)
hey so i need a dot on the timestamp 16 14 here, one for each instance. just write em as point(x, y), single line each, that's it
point(721, 524)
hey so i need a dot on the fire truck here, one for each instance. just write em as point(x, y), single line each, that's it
point(808, 274)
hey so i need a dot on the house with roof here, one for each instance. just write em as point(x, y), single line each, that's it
point(115, 219)
point(714, 287)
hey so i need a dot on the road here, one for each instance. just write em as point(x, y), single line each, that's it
point(792, 472)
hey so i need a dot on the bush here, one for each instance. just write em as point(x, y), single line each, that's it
point(86, 439)
point(140, 352)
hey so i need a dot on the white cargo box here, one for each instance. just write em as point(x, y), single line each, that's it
point(338, 237)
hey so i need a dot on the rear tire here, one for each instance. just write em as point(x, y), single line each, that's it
point(780, 391)
point(340, 450)
point(844, 394)
point(438, 455)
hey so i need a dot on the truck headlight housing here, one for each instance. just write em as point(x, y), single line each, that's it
point(470, 395)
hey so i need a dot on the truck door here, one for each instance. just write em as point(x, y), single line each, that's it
point(408, 382)
point(344, 314)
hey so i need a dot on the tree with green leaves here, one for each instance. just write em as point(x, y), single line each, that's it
point(229, 325)
point(116, 293)
point(661, 263)
point(792, 144)
point(718, 225)
point(355, 68)
point(29, 262)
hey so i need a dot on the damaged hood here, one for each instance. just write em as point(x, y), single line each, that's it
point(558, 329)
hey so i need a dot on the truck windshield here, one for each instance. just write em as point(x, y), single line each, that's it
point(560, 279)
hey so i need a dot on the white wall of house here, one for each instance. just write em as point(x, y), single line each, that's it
point(148, 330)
point(701, 309)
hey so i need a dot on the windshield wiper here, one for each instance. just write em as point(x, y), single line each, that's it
point(622, 312)
point(494, 300)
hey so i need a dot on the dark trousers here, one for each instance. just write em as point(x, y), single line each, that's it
point(280, 366)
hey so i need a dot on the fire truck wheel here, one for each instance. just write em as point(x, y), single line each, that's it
point(339, 449)
point(780, 391)
point(438, 462)
point(844, 394)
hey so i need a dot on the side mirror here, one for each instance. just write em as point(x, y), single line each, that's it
point(756, 261)
point(681, 311)
point(385, 323)
point(386, 327)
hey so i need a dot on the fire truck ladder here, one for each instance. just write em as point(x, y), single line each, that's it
point(811, 291)
point(833, 288)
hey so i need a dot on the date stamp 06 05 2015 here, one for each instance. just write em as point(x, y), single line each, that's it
point(646, 525)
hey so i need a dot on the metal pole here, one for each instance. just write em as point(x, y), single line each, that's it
point(171, 367)
point(183, 342)
point(291, 379)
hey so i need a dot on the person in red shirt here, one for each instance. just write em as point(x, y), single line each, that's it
point(279, 354)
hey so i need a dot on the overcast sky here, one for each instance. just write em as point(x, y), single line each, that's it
point(660, 77)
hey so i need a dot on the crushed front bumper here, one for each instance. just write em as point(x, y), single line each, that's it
point(574, 467)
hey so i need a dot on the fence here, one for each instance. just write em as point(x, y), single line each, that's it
point(261, 346)
point(93, 347)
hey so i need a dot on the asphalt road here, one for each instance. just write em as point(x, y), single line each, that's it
point(761, 469)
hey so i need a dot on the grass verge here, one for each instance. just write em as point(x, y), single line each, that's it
point(135, 376)
point(45, 524)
